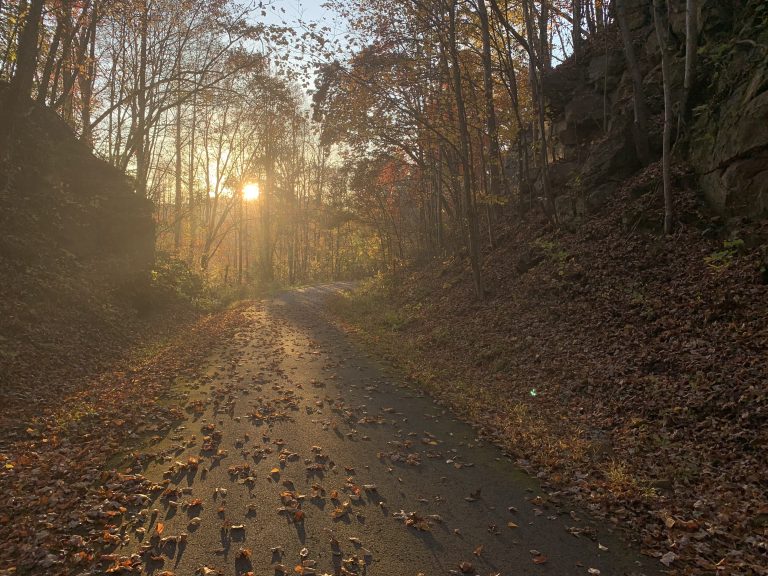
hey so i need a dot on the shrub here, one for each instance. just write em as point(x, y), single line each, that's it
point(170, 284)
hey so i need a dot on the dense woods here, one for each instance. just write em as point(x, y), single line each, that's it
point(556, 209)
point(190, 98)
point(429, 121)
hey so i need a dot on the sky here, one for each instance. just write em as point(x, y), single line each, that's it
point(294, 12)
point(298, 14)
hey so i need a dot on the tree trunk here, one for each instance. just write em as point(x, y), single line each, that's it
point(545, 59)
point(691, 47)
point(65, 70)
point(21, 84)
point(45, 78)
point(662, 32)
point(589, 14)
point(141, 106)
point(177, 188)
point(538, 97)
point(26, 63)
point(87, 78)
point(640, 125)
point(439, 199)
point(240, 236)
point(494, 149)
point(576, 29)
point(472, 225)
point(193, 205)
point(599, 15)
point(267, 271)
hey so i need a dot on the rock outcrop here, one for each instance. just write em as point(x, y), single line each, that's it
point(726, 142)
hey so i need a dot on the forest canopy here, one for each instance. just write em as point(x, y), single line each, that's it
point(406, 131)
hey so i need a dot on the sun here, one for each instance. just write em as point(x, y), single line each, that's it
point(251, 191)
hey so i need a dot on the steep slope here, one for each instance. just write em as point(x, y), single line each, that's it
point(626, 368)
point(74, 239)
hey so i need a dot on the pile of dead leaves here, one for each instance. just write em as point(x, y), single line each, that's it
point(61, 502)
point(626, 368)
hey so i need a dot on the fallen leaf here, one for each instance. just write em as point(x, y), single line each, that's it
point(668, 558)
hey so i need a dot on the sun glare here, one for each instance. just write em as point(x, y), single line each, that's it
point(251, 191)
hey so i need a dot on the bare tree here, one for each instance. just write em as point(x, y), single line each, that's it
point(661, 23)
point(494, 151)
point(26, 64)
point(576, 28)
point(640, 124)
point(691, 48)
point(469, 199)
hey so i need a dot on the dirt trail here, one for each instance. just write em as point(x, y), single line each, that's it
point(307, 454)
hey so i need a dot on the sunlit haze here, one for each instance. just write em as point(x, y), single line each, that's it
point(501, 308)
point(251, 191)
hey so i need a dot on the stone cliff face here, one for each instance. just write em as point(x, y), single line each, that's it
point(726, 144)
point(729, 142)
